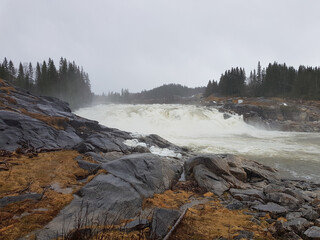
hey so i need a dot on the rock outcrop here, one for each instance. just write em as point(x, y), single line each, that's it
point(127, 172)
point(285, 116)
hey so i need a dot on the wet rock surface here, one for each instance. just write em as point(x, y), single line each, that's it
point(132, 173)
point(259, 188)
point(289, 115)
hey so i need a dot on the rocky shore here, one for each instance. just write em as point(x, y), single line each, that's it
point(273, 113)
point(65, 176)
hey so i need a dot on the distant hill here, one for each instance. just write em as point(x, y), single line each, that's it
point(168, 91)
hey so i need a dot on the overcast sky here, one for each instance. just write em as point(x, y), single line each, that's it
point(142, 44)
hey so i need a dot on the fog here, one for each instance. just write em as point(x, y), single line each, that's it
point(143, 44)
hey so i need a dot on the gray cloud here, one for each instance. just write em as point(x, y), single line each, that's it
point(142, 44)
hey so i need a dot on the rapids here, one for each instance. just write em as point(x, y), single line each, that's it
point(205, 130)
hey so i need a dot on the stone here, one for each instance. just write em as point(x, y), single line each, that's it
point(102, 143)
point(162, 221)
point(274, 209)
point(243, 234)
point(217, 173)
point(298, 225)
point(310, 214)
point(119, 193)
point(317, 222)
point(136, 225)
point(249, 192)
point(210, 181)
point(313, 233)
point(13, 199)
point(90, 167)
point(235, 205)
point(282, 199)
point(293, 215)
point(96, 157)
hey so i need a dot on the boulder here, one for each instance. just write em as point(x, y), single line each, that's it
point(162, 221)
point(274, 209)
point(90, 167)
point(283, 199)
point(313, 233)
point(298, 225)
point(119, 193)
point(13, 199)
point(136, 225)
point(218, 173)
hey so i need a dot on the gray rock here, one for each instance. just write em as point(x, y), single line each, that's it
point(243, 234)
point(310, 214)
point(90, 167)
point(13, 199)
point(317, 222)
point(235, 205)
point(282, 199)
point(274, 209)
point(148, 173)
point(272, 188)
point(118, 194)
point(219, 172)
point(136, 225)
point(293, 215)
point(313, 233)
point(103, 143)
point(110, 156)
point(291, 236)
point(249, 192)
point(210, 180)
point(96, 157)
point(162, 220)
point(298, 225)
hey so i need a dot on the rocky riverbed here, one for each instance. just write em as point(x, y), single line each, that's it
point(65, 176)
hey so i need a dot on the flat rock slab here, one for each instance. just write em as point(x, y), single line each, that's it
point(313, 233)
point(273, 208)
point(119, 193)
point(162, 221)
point(13, 199)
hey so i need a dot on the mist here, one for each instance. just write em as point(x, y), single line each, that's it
point(143, 44)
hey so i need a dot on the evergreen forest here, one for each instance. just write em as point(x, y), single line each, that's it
point(68, 82)
point(276, 80)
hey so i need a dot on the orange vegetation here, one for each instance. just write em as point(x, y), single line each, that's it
point(56, 122)
point(8, 98)
point(38, 175)
point(209, 220)
point(168, 199)
point(8, 89)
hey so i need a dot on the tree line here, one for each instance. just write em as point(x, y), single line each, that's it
point(68, 82)
point(166, 93)
point(276, 80)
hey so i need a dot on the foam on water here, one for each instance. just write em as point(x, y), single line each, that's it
point(204, 129)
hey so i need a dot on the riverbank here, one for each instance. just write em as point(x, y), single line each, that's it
point(63, 175)
point(272, 113)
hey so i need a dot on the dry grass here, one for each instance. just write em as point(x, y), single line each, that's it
point(36, 175)
point(58, 123)
point(8, 98)
point(7, 89)
point(211, 220)
point(168, 199)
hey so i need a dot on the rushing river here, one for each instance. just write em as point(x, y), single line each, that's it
point(205, 130)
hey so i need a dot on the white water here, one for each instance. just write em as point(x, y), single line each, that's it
point(205, 130)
